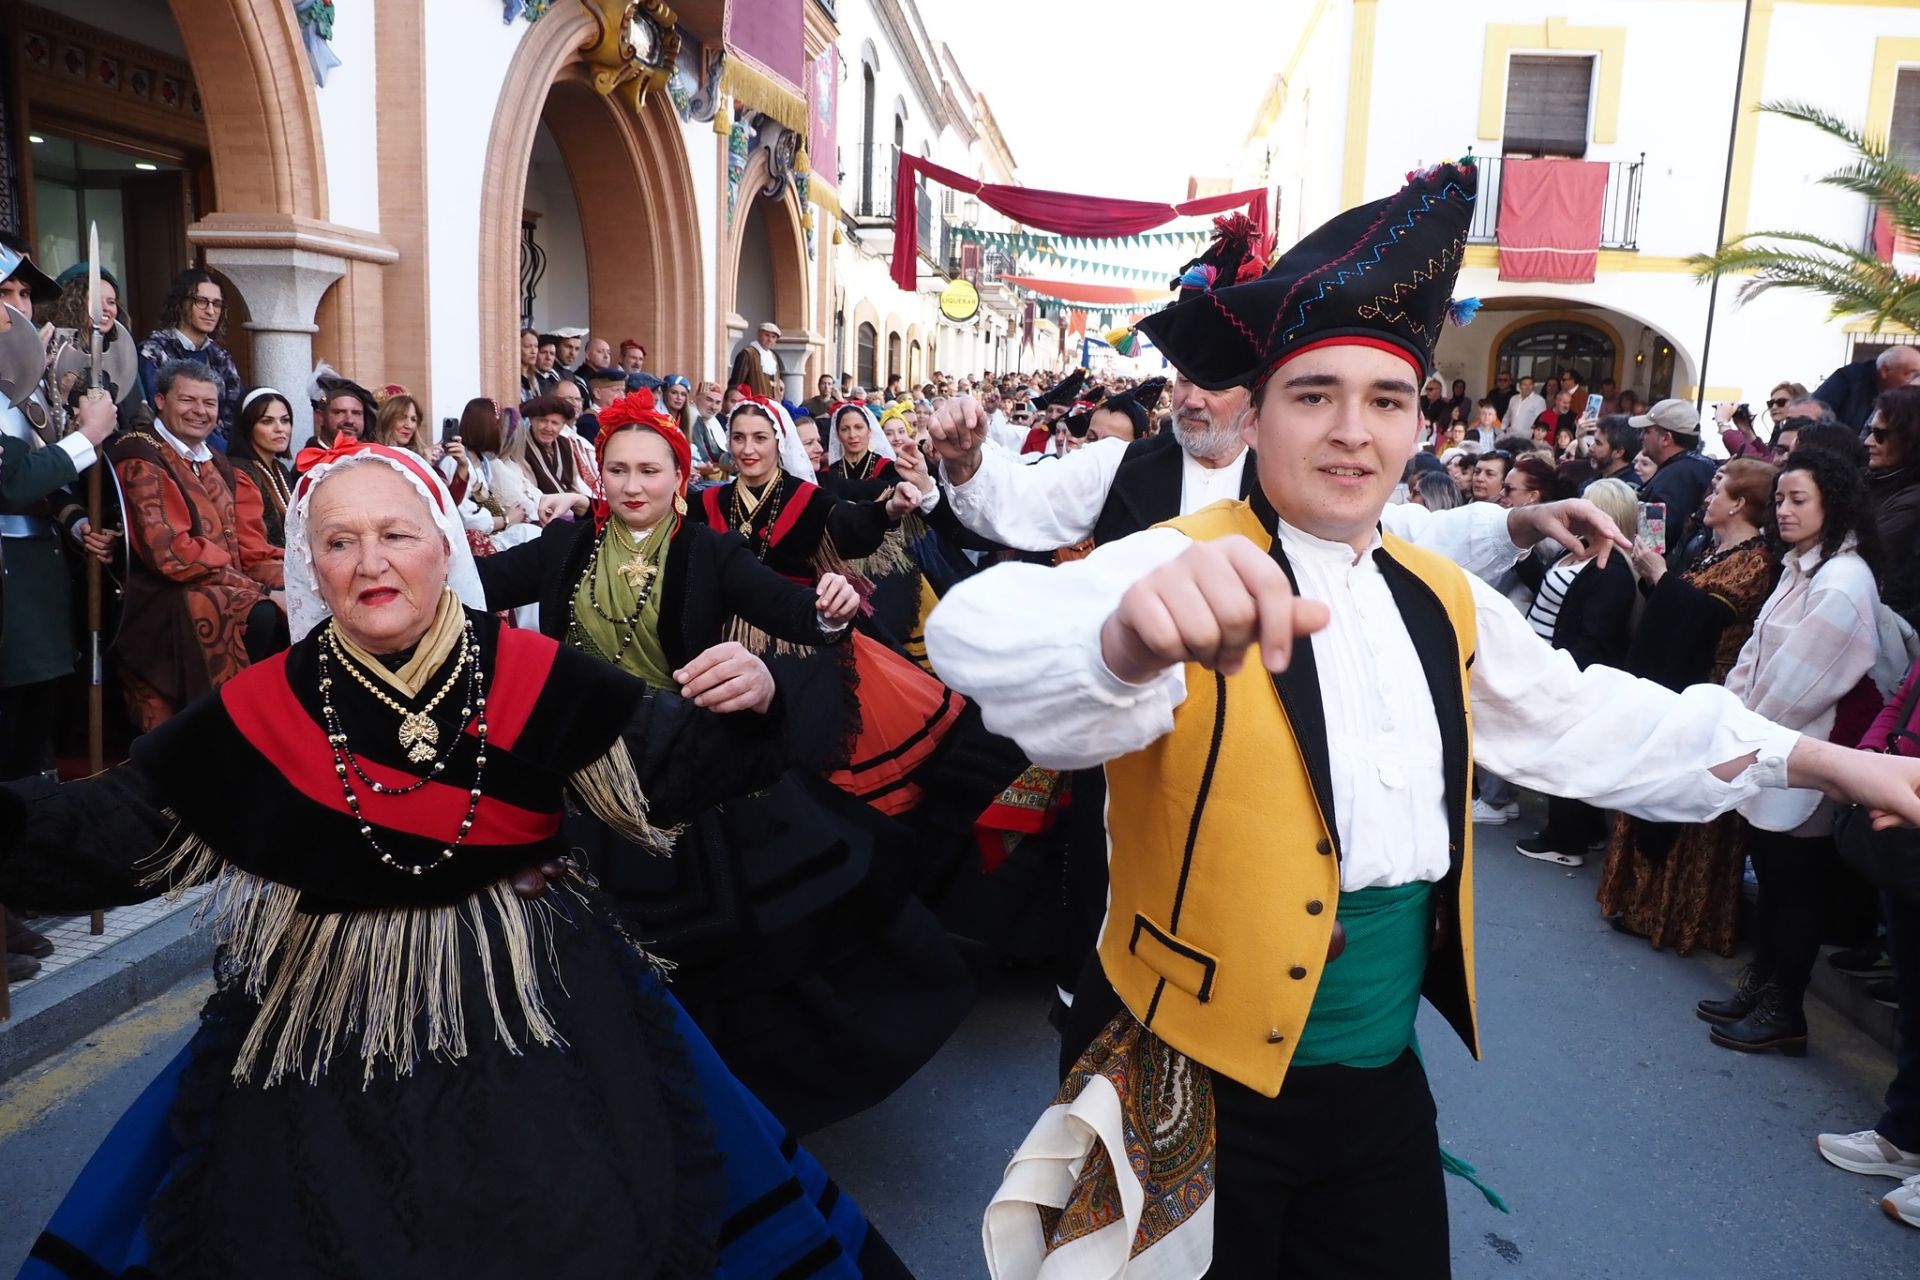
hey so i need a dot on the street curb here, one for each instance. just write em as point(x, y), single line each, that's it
point(53, 1012)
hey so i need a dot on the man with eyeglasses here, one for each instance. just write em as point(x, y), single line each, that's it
point(191, 321)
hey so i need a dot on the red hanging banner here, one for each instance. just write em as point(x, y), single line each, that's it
point(1061, 212)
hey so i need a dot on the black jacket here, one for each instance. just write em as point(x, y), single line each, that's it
point(711, 577)
point(1851, 391)
point(1681, 483)
point(1596, 617)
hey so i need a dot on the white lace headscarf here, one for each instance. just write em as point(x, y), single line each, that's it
point(305, 608)
point(793, 454)
point(876, 438)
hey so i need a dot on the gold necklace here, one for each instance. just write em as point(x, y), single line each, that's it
point(638, 573)
point(419, 735)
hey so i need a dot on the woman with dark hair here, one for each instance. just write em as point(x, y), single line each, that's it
point(1460, 402)
point(68, 314)
point(1813, 646)
point(191, 322)
point(1893, 481)
point(1679, 885)
point(1529, 481)
point(261, 453)
point(499, 506)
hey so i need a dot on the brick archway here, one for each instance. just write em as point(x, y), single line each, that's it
point(792, 309)
point(263, 121)
point(638, 220)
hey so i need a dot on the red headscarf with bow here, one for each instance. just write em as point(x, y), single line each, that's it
point(638, 409)
point(347, 446)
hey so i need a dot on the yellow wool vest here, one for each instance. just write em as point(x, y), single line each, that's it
point(1223, 871)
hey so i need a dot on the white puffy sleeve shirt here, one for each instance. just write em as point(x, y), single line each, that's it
point(1044, 508)
point(1023, 641)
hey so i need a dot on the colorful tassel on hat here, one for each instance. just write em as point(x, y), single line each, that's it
point(1199, 276)
point(1461, 311)
point(1123, 340)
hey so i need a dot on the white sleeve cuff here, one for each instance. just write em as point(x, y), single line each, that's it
point(80, 449)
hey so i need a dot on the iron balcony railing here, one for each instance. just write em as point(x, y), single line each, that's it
point(872, 179)
point(1620, 213)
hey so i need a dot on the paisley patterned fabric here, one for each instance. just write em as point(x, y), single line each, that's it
point(1119, 1173)
point(192, 582)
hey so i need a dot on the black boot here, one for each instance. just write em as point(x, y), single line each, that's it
point(1776, 1025)
point(1738, 1005)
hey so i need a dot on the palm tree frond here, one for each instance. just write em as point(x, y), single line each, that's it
point(1826, 122)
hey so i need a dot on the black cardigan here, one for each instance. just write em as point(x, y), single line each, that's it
point(710, 578)
point(1596, 617)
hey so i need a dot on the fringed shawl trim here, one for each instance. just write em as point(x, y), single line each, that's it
point(385, 983)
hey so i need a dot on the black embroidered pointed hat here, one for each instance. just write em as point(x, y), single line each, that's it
point(1064, 392)
point(1381, 273)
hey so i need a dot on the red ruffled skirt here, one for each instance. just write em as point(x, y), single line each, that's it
point(905, 715)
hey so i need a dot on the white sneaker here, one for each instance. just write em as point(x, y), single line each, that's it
point(1869, 1153)
point(1493, 815)
point(1903, 1202)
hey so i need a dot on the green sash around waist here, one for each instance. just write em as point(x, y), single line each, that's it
point(1363, 1013)
point(1364, 1010)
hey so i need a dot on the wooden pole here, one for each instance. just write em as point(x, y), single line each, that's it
point(96, 692)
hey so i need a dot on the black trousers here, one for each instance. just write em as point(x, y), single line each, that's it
point(1791, 915)
point(1901, 1123)
point(1304, 1182)
point(1573, 824)
point(26, 729)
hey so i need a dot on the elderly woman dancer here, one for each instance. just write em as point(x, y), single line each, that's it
point(428, 1054)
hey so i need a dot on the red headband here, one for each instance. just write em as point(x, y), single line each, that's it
point(638, 409)
point(1351, 340)
point(312, 457)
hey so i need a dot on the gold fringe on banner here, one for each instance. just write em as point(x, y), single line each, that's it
point(826, 197)
point(764, 92)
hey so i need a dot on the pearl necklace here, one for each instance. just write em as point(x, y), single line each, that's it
point(419, 735)
point(345, 761)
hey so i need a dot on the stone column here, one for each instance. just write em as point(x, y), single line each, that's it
point(282, 288)
point(794, 350)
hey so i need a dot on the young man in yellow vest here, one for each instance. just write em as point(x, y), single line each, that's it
point(1290, 847)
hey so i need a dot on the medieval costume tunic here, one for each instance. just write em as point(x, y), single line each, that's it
point(821, 981)
point(37, 507)
point(409, 1068)
point(1291, 854)
point(195, 581)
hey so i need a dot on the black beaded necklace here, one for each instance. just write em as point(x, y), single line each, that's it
point(346, 762)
